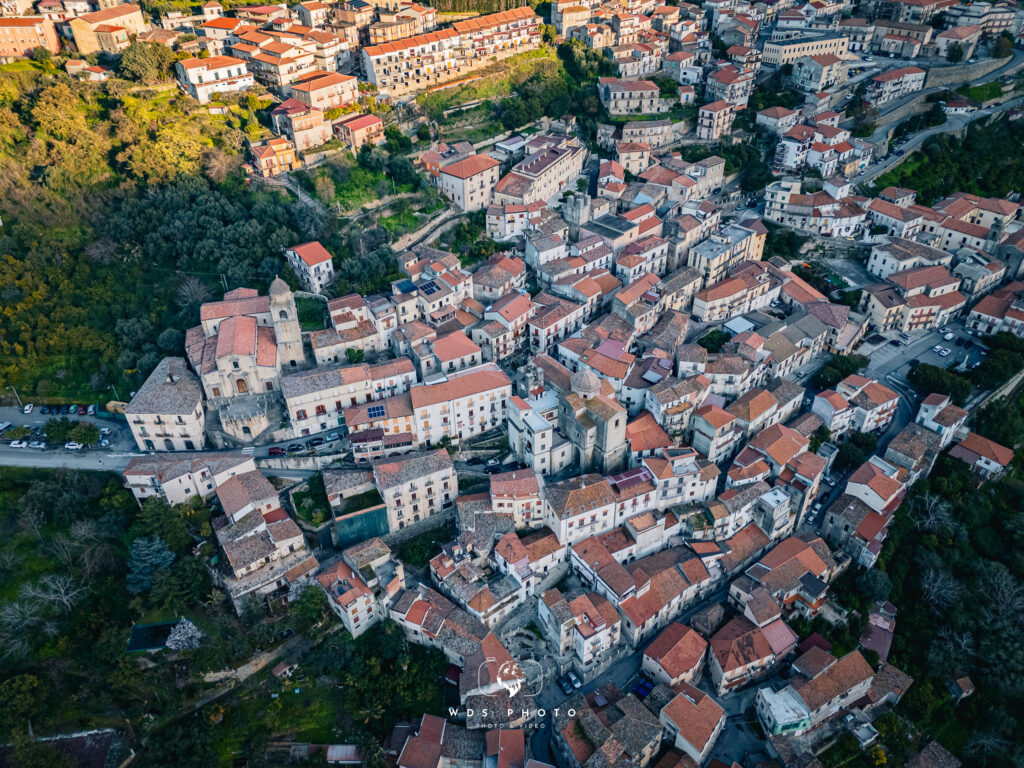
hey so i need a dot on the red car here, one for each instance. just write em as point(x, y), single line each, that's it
point(82, 410)
point(276, 450)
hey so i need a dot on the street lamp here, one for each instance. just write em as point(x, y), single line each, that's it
point(20, 404)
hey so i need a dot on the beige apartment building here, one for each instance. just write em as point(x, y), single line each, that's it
point(167, 412)
point(714, 120)
point(415, 486)
point(778, 53)
point(21, 35)
point(467, 404)
point(470, 182)
point(94, 30)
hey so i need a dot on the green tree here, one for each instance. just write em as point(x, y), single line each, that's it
point(713, 341)
point(21, 701)
point(926, 379)
point(59, 430)
point(820, 436)
point(354, 355)
point(145, 557)
point(838, 368)
point(160, 519)
point(396, 142)
point(423, 132)
point(29, 753)
point(1002, 48)
point(145, 62)
point(307, 609)
point(548, 34)
point(955, 53)
point(85, 432)
point(874, 585)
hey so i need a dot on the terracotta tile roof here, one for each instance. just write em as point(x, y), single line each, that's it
point(471, 166)
point(988, 448)
point(678, 649)
point(466, 385)
point(695, 714)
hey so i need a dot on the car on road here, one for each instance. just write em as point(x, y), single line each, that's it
point(296, 448)
point(331, 437)
point(316, 442)
point(71, 445)
point(492, 470)
point(19, 443)
point(576, 682)
point(276, 450)
point(945, 352)
point(44, 409)
point(72, 410)
point(105, 432)
point(82, 410)
point(90, 411)
point(565, 685)
point(28, 408)
point(492, 462)
point(37, 444)
point(936, 349)
point(948, 335)
point(104, 443)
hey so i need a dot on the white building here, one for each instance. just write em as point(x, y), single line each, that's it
point(167, 412)
point(202, 78)
point(312, 263)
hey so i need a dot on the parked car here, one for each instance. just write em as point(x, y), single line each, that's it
point(28, 408)
point(19, 443)
point(72, 410)
point(576, 682)
point(276, 450)
point(490, 462)
point(948, 335)
point(104, 443)
point(331, 437)
point(492, 470)
point(45, 409)
point(38, 444)
point(945, 352)
point(936, 349)
point(296, 448)
point(106, 432)
point(91, 410)
point(82, 411)
point(565, 685)
point(316, 442)
point(71, 445)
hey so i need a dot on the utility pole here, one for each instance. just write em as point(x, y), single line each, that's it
point(20, 404)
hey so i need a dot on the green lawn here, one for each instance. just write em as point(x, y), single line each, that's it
point(360, 501)
point(400, 222)
point(982, 92)
point(311, 313)
point(309, 502)
point(418, 550)
point(22, 65)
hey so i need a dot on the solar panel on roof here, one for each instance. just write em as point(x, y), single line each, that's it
point(375, 411)
point(652, 376)
point(429, 289)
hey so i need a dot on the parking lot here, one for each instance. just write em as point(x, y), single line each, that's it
point(115, 434)
point(896, 354)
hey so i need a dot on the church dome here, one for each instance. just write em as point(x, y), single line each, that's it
point(586, 383)
point(279, 287)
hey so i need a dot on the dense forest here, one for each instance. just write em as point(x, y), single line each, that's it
point(123, 209)
point(988, 161)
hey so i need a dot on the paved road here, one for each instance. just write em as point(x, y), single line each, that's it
point(953, 124)
point(623, 674)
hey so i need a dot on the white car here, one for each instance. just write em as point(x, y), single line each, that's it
point(948, 336)
point(39, 444)
point(105, 432)
point(28, 408)
point(71, 445)
point(937, 349)
point(944, 352)
point(19, 443)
